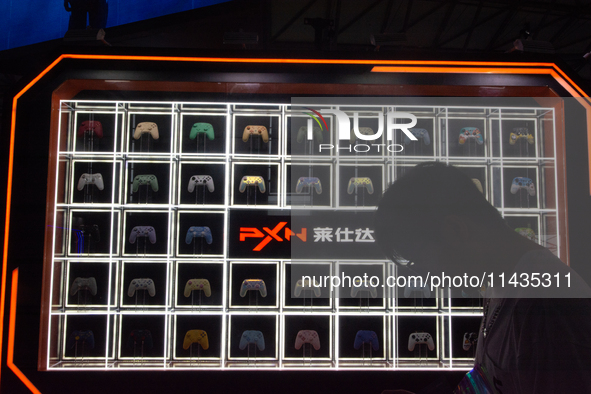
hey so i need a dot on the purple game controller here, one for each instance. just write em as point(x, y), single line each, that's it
point(201, 180)
point(366, 336)
point(91, 179)
point(419, 133)
point(81, 337)
point(309, 181)
point(252, 336)
point(83, 284)
point(253, 284)
point(307, 336)
point(142, 338)
point(420, 338)
point(141, 284)
point(142, 231)
point(523, 183)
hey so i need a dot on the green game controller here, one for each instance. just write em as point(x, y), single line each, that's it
point(205, 128)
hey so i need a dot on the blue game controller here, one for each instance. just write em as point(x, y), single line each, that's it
point(366, 336)
point(252, 336)
point(199, 232)
point(419, 133)
point(81, 337)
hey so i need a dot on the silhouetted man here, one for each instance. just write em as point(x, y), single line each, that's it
point(530, 341)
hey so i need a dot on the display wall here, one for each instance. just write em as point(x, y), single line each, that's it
point(53, 240)
point(146, 271)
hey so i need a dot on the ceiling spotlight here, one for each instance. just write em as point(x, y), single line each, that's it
point(533, 46)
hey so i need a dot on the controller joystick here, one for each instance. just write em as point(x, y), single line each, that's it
point(366, 336)
point(91, 126)
point(253, 284)
point(303, 133)
point(198, 232)
point(252, 180)
point(141, 338)
point(197, 285)
point(420, 134)
point(420, 338)
point(141, 284)
point(307, 336)
point(254, 337)
point(470, 338)
point(81, 337)
point(357, 182)
point(146, 127)
point(91, 179)
point(202, 128)
point(471, 133)
point(362, 131)
point(310, 182)
point(142, 231)
point(306, 285)
point(255, 130)
point(142, 180)
point(83, 284)
point(523, 183)
point(201, 180)
point(196, 336)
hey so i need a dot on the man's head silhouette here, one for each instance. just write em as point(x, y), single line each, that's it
point(435, 217)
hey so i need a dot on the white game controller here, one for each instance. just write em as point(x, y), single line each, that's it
point(420, 338)
point(91, 179)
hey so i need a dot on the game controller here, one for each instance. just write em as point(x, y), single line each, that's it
point(141, 180)
point(205, 128)
point(92, 126)
point(526, 232)
point(146, 127)
point(196, 336)
point(199, 180)
point(356, 182)
point(309, 181)
point(419, 133)
point(253, 284)
point(306, 285)
point(85, 337)
point(142, 231)
point(408, 290)
point(197, 285)
point(92, 230)
point(252, 336)
point(519, 133)
point(83, 284)
point(303, 133)
point(366, 336)
point(360, 285)
point(470, 338)
point(199, 232)
point(523, 183)
point(471, 133)
point(255, 130)
point(307, 336)
point(478, 185)
point(141, 284)
point(420, 338)
point(91, 179)
point(141, 337)
point(252, 180)
point(363, 131)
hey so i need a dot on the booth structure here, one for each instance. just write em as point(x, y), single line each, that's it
point(154, 217)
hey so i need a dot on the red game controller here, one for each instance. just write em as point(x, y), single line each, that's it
point(91, 126)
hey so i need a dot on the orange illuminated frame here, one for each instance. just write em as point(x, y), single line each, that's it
point(393, 66)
